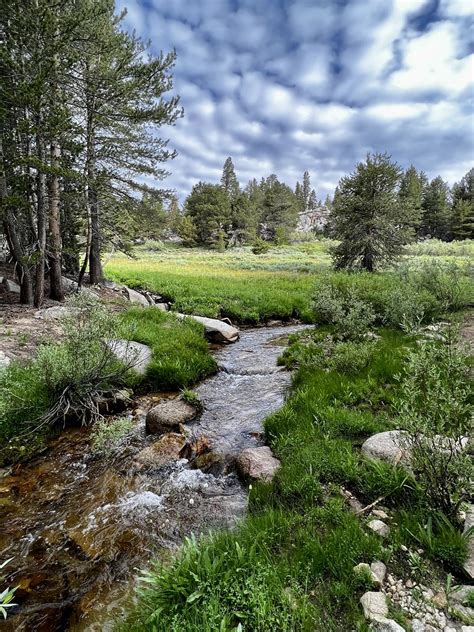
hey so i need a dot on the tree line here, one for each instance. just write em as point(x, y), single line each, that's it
point(81, 105)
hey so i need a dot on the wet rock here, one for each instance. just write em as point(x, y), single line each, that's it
point(379, 527)
point(468, 524)
point(216, 330)
point(162, 452)
point(386, 625)
point(374, 605)
point(257, 464)
point(166, 416)
point(133, 354)
point(135, 297)
point(385, 446)
point(379, 570)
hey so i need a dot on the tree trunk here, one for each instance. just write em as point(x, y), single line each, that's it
point(41, 221)
point(96, 273)
point(56, 285)
point(368, 261)
point(26, 287)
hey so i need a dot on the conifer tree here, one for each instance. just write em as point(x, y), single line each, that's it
point(368, 217)
point(412, 188)
point(436, 217)
point(463, 207)
point(229, 180)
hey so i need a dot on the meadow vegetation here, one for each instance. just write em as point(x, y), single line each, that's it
point(289, 566)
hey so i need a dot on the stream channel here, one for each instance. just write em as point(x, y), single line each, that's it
point(80, 525)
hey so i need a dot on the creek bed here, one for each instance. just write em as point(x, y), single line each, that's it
point(78, 524)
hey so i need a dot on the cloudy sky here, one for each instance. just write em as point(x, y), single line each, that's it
point(288, 85)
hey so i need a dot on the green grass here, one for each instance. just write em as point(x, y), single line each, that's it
point(289, 566)
point(180, 353)
point(249, 288)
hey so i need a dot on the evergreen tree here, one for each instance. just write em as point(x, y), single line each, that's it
point(279, 208)
point(174, 216)
point(209, 207)
point(306, 189)
point(243, 220)
point(368, 217)
point(412, 188)
point(229, 179)
point(300, 197)
point(313, 200)
point(187, 231)
point(463, 207)
point(437, 216)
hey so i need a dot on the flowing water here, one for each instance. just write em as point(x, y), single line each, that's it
point(78, 524)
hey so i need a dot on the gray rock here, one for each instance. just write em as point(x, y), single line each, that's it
point(385, 446)
point(467, 628)
point(4, 360)
point(169, 415)
point(364, 568)
point(460, 594)
point(134, 354)
point(57, 312)
point(164, 307)
point(379, 570)
point(375, 606)
point(379, 527)
point(386, 625)
point(468, 524)
point(216, 330)
point(135, 297)
point(257, 464)
point(11, 286)
point(68, 284)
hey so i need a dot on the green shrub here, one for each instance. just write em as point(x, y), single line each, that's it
point(260, 246)
point(107, 433)
point(350, 315)
point(435, 407)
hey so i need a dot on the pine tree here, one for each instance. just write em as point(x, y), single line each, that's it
point(463, 207)
point(229, 180)
point(174, 215)
point(209, 207)
point(437, 215)
point(313, 200)
point(368, 217)
point(187, 231)
point(300, 197)
point(306, 189)
point(279, 208)
point(412, 188)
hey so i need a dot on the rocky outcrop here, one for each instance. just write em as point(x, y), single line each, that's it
point(312, 220)
point(216, 330)
point(162, 452)
point(169, 415)
point(133, 354)
point(57, 312)
point(257, 464)
point(11, 286)
point(135, 297)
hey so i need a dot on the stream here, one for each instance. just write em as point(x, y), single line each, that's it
point(79, 524)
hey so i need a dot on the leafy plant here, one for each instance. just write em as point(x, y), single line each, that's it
point(6, 595)
point(107, 433)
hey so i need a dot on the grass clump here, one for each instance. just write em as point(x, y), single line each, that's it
point(180, 353)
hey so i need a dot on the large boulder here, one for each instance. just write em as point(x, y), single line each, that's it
point(216, 330)
point(169, 415)
point(162, 452)
point(257, 464)
point(133, 354)
point(135, 297)
point(385, 446)
point(68, 284)
point(11, 286)
point(57, 312)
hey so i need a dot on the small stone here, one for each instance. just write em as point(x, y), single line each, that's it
point(379, 527)
point(366, 569)
point(386, 625)
point(257, 463)
point(410, 583)
point(379, 570)
point(404, 548)
point(417, 625)
point(379, 513)
point(374, 605)
point(449, 629)
point(428, 594)
point(467, 628)
point(440, 600)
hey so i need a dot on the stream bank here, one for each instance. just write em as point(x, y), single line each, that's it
point(78, 524)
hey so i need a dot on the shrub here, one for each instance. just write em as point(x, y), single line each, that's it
point(434, 407)
point(107, 433)
point(351, 315)
point(260, 246)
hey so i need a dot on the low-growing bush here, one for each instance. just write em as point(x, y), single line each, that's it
point(435, 408)
point(260, 246)
point(350, 315)
point(107, 433)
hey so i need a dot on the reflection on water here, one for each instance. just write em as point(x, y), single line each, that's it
point(78, 525)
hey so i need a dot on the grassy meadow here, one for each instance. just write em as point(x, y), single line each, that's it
point(245, 287)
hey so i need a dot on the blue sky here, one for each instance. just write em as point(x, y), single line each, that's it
point(288, 85)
